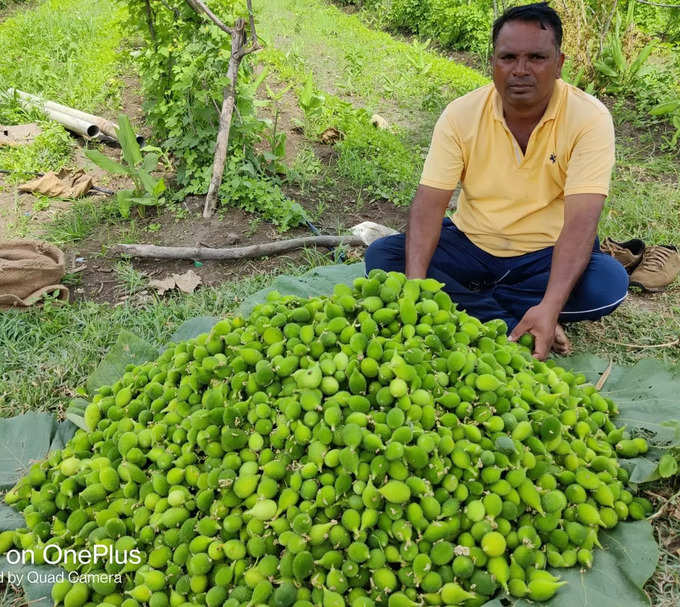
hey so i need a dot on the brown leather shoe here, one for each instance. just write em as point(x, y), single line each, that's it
point(659, 266)
point(628, 253)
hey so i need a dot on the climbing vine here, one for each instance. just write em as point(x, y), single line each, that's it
point(183, 65)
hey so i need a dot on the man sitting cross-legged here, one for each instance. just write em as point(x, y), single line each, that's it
point(534, 157)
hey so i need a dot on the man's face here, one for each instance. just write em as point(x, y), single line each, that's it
point(525, 64)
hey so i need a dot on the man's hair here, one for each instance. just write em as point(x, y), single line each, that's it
point(538, 13)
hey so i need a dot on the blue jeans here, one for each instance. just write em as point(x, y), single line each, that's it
point(506, 287)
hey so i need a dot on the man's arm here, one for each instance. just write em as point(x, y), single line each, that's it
point(570, 257)
point(424, 228)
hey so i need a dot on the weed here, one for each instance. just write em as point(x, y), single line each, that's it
point(305, 166)
point(129, 233)
point(251, 191)
point(79, 221)
point(41, 204)
point(319, 211)
point(618, 74)
point(72, 279)
point(131, 280)
point(253, 224)
point(153, 227)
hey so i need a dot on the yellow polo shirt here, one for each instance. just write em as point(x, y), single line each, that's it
point(513, 203)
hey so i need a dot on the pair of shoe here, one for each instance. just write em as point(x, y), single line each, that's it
point(651, 267)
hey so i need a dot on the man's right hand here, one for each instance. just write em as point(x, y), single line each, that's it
point(424, 228)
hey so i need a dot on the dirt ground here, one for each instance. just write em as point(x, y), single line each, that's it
point(91, 266)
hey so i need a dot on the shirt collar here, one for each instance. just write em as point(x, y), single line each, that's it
point(550, 111)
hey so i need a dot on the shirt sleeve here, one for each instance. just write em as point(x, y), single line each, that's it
point(592, 159)
point(444, 163)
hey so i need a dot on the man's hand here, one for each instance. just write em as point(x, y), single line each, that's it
point(541, 322)
point(570, 257)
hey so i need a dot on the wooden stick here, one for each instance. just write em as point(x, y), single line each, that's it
point(600, 383)
point(254, 42)
point(251, 17)
point(256, 250)
point(228, 102)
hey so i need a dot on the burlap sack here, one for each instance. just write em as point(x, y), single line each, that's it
point(28, 270)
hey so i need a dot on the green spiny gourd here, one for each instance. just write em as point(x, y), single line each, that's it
point(374, 447)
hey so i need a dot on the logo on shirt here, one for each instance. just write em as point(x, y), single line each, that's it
point(553, 158)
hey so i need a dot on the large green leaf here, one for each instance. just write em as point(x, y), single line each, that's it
point(128, 350)
point(27, 439)
point(10, 518)
point(106, 163)
point(620, 569)
point(193, 328)
point(75, 412)
point(128, 142)
point(319, 281)
point(665, 108)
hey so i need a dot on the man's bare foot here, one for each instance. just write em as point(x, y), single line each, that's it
point(561, 345)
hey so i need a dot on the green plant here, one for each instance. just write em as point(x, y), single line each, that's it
point(671, 110)
point(407, 14)
point(79, 221)
point(617, 73)
point(131, 280)
point(138, 165)
point(184, 72)
point(464, 26)
point(276, 139)
point(41, 204)
point(578, 78)
point(310, 99)
point(305, 166)
point(245, 186)
point(433, 100)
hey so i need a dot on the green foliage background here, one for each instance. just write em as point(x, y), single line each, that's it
point(183, 68)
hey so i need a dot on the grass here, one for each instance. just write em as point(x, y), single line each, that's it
point(355, 73)
point(79, 221)
point(664, 587)
point(645, 199)
point(643, 203)
point(353, 60)
point(64, 50)
point(380, 162)
point(50, 151)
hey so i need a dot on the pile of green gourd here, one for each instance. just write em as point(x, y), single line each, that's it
point(376, 447)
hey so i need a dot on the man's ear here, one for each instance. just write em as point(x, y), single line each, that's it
point(560, 63)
